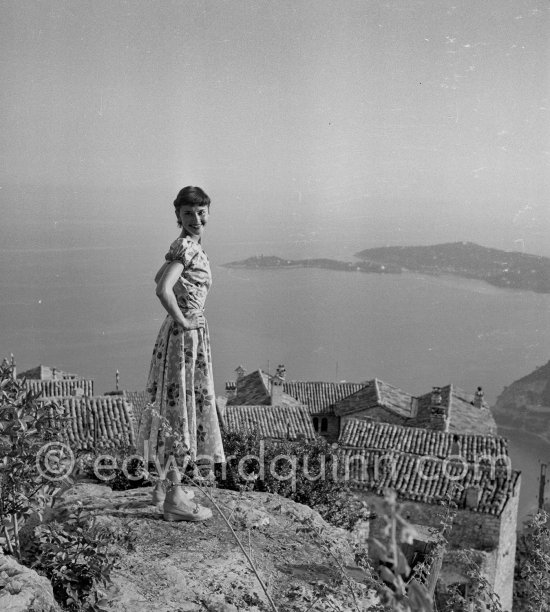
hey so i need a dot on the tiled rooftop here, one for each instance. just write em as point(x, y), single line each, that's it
point(59, 388)
point(429, 480)
point(422, 469)
point(254, 390)
point(360, 433)
point(102, 421)
point(345, 399)
point(52, 382)
point(282, 422)
point(395, 399)
point(377, 393)
point(321, 397)
point(138, 399)
point(463, 416)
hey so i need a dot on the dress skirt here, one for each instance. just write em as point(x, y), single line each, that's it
point(182, 418)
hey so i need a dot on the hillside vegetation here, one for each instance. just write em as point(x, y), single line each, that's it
point(507, 269)
point(525, 404)
point(500, 268)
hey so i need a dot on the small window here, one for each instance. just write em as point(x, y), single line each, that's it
point(316, 423)
point(324, 425)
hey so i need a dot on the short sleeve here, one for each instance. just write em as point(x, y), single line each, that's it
point(182, 250)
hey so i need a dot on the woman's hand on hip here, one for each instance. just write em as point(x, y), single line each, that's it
point(193, 321)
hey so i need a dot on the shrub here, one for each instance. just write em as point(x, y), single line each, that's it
point(35, 465)
point(26, 426)
point(304, 471)
point(132, 476)
point(532, 571)
point(74, 556)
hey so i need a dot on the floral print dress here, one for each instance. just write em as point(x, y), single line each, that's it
point(180, 382)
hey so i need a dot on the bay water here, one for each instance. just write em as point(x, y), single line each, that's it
point(86, 305)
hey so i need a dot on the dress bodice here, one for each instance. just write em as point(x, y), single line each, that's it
point(196, 278)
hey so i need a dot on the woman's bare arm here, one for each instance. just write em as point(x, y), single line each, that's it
point(161, 271)
point(165, 293)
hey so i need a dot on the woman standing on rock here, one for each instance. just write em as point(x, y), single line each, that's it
point(180, 383)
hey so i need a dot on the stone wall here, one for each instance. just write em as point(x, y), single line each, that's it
point(470, 529)
point(494, 536)
point(504, 585)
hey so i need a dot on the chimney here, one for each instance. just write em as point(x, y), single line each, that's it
point(455, 447)
point(438, 412)
point(277, 386)
point(436, 397)
point(230, 389)
point(240, 372)
point(472, 496)
point(478, 398)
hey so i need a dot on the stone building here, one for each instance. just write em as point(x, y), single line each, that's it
point(438, 447)
point(262, 389)
point(452, 410)
point(331, 404)
point(428, 468)
point(89, 421)
point(52, 382)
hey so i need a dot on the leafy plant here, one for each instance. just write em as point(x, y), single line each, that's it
point(26, 426)
point(478, 596)
point(75, 557)
point(402, 592)
point(313, 478)
point(532, 579)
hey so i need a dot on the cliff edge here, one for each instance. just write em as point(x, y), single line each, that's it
point(525, 404)
point(188, 567)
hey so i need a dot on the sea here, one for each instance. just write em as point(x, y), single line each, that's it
point(82, 299)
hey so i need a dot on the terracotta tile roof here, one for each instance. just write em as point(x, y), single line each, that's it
point(51, 382)
point(429, 480)
point(282, 422)
point(395, 399)
point(254, 390)
point(360, 433)
point(415, 452)
point(321, 397)
point(377, 393)
point(467, 418)
point(102, 421)
point(59, 388)
point(138, 400)
point(463, 417)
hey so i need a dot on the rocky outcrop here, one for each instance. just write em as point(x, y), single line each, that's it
point(199, 566)
point(525, 404)
point(22, 589)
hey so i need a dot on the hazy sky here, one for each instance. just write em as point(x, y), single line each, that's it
point(424, 120)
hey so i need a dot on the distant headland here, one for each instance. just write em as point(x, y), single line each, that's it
point(507, 269)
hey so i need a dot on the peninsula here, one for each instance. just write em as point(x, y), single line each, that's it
point(271, 262)
point(507, 269)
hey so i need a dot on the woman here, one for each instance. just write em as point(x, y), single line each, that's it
point(180, 383)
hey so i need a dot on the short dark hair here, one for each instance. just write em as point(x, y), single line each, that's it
point(191, 196)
